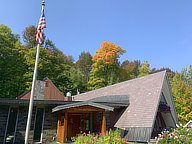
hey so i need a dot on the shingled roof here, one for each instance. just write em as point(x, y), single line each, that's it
point(144, 96)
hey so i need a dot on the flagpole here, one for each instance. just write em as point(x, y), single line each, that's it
point(32, 96)
point(33, 83)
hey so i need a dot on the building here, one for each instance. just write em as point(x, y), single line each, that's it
point(140, 108)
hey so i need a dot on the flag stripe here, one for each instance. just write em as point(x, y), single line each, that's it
point(41, 26)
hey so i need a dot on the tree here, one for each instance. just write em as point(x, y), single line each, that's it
point(57, 67)
point(84, 64)
point(105, 68)
point(29, 36)
point(182, 94)
point(129, 70)
point(12, 64)
point(144, 69)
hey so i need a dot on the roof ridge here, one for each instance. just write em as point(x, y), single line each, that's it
point(125, 81)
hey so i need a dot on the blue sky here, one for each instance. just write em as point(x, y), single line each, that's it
point(157, 31)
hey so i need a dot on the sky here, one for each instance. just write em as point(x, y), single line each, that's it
point(157, 31)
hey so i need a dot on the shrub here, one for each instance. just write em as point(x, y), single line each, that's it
point(180, 135)
point(111, 137)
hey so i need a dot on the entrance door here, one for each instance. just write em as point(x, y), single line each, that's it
point(75, 125)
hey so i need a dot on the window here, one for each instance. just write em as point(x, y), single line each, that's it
point(11, 125)
point(38, 125)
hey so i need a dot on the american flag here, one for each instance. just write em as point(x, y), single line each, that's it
point(41, 26)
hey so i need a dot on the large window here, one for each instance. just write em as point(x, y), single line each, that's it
point(11, 125)
point(38, 125)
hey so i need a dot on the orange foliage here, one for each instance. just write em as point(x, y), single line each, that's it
point(108, 53)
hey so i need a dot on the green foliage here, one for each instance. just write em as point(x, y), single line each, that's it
point(144, 69)
point(129, 70)
point(12, 64)
point(84, 64)
point(180, 135)
point(56, 66)
point(29, 37)
point(17, 64)
point(111, 137)
point(182, 94)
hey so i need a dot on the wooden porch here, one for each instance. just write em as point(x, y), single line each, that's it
point(76, 118)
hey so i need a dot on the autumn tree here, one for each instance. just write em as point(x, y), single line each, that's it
point(144, 69)
point(105, 68)
point(182, 94)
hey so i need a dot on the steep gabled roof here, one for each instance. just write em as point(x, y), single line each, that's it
point(47, 89)
point(144, 94)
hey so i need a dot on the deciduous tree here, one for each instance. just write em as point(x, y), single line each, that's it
point(105, 68)
point(144, 69)
point(84, 64)
point(129, 70)
point(182, 94)
point(12, 64)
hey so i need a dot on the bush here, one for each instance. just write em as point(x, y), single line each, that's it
point(111, 137)
point(180, 135)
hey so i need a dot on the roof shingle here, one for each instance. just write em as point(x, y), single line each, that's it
point(144, 94)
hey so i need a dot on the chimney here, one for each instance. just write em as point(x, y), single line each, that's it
point(68, 97)
point(68, 94)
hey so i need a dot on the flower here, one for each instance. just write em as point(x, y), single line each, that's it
point(175, 130)
point(159, 135)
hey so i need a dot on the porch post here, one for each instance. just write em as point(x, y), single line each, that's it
point(65, 128)
point(58, 128)
point(103, 128)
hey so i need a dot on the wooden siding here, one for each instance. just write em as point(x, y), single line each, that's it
point(138, 134)
point(51, 92)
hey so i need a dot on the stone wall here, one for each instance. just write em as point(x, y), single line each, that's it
point(50, 126)
point(4, 110)
point(21, 125)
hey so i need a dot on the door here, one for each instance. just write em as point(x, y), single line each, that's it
point(75, 125)
point(60, 132)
